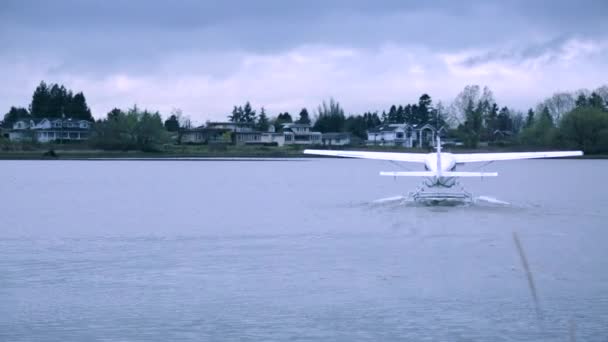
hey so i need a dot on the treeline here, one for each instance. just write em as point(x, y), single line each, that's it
point(565, 120)
point(133, 129)
point(51, 101)
point(584, 127)
point(330, 117)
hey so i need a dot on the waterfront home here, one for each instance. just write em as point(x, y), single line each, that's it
point(402, 135)
point(204, 135)
point(245, 134)
point(300, 134)
point(46, 130)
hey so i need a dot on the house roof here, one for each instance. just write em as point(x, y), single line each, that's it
point(229, 123)
point(384, 128)
point(39, 120)
point(296, 124)
point(203, 128)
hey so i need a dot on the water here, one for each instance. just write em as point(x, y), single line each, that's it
point(320, 250)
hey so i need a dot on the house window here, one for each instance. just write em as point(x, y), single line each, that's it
point(399, 135)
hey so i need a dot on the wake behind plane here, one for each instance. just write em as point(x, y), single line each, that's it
point(440, 168)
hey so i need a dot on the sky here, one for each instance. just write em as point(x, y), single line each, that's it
point(204, 57)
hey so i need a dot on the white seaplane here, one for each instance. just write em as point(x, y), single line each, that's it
point(440, 169)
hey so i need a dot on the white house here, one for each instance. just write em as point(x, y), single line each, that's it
point(300, 134)
point(46, 130)
point(402, 135)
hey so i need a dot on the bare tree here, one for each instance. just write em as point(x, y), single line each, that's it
point(470, 94)
point(558, 105)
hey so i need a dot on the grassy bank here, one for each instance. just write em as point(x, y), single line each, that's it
point(76, 152)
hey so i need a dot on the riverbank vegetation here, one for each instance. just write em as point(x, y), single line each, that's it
point(566, 120)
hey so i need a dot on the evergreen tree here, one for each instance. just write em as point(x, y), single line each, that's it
point(172, 124)
point(357, 126)
point(529, 119)
point(304, 117)
point(372, 119)
point(596, 101)
point(424, 108)
point(57, 101)
point(581, 101)
point(263, 124)
point(114, 114)
point(400, 116)
point(78, 108)
point(392, 114)
point(490, 120)
point(281, 119)
point(330, 117)
point(14, 114)
point(504, 120)
point(473, 123)
point(408, 114)
point(248, 114)
point(285, 118)
point(545, 119)
point(237, 114)
point(40, 101)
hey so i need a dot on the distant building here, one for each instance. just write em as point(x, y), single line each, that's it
point(402, 135)
point(245, 134)
point(232, 126)
point(204, 135)
point(217, 133)
point(47, 130)
point(336, 139)
point(273, 138)
point(300, 134)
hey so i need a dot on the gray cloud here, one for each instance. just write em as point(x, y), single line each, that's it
point(241, 50)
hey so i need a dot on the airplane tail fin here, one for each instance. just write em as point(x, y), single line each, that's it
point(434, 174)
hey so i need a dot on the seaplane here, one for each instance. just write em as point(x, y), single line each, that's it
point(440, 185)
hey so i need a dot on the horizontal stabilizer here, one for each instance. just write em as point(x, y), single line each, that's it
point(468, 174)
point(434, 174)
point(409, 173)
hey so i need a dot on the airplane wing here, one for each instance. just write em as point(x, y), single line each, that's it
point(485, 157)
point(404, 157)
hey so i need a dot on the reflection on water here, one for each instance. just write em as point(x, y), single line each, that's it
point(188, 250)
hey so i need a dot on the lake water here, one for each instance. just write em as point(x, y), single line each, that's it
point(298, 250)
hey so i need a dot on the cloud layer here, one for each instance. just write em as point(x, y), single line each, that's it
point(206, 57)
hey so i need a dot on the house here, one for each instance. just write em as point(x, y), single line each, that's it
point(46, 130)
point(402, 135)
point(232, 126)
point(204, 135)
point(245, 134)
point(300, 134)
point(336, 139)
point(219, 133)
point(273, 138)
point(392, 135)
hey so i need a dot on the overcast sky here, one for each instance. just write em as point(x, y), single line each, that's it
point(206, 56)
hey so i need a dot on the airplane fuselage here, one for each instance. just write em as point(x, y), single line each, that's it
point(439, 163)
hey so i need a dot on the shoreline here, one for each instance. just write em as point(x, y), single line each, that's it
point(247, 153)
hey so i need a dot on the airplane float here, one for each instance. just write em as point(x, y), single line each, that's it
point(440, 168)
